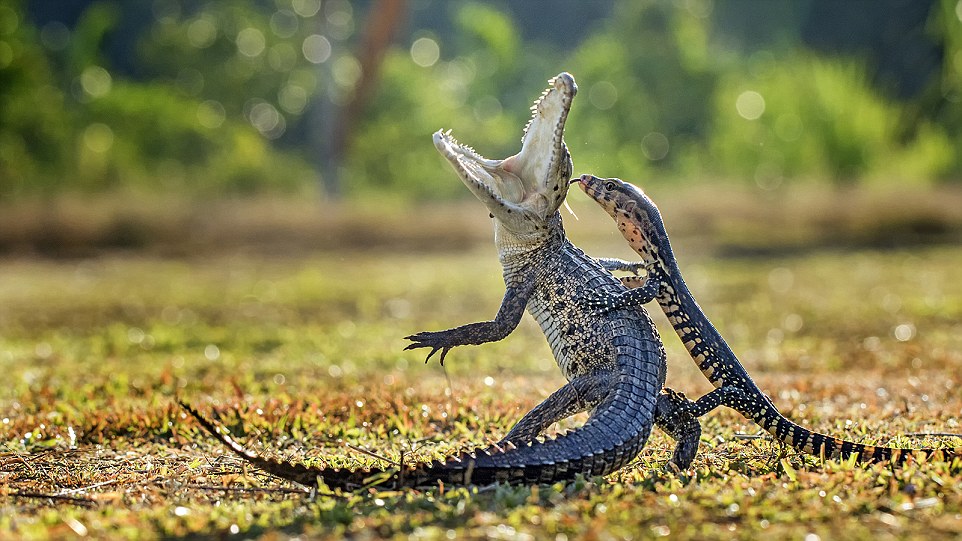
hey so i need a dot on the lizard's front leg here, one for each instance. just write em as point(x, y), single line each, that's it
point(644, 290)
point(612, 264)
point(512, 308)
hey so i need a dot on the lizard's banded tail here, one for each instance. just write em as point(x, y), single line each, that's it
point(825, 446)
point(640, 221)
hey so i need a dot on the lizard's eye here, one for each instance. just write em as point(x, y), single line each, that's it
point(610, 186)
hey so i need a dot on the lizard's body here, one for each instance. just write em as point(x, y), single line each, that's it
point(640, 222)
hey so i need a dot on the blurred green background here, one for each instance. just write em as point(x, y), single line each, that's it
point(337, 99)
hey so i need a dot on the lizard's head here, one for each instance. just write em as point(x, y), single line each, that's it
point(637, 215)
point(524, 190)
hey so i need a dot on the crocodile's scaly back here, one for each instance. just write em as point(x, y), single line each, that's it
point(641, 224)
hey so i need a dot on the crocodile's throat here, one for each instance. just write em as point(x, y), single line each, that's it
point(524, 190)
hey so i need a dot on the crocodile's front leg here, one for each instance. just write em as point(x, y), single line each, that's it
point(512, 308)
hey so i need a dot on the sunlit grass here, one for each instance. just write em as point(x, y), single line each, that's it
point(300, 355)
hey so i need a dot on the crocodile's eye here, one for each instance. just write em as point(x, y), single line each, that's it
point(610, 186)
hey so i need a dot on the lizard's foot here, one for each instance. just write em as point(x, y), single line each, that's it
point(605, 302)
point(672, 415)
point(635, 267)
point(436, 340)
point(728, 395)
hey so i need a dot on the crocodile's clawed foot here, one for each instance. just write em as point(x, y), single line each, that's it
point(434, 340)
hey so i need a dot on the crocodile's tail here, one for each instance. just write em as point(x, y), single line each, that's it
point(825, 446)
point(533, 463)
point(298, 473)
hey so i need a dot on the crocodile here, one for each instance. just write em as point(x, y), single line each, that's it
point(639, 220)
point(614, 362)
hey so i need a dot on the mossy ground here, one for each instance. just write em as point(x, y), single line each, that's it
point(301, 355)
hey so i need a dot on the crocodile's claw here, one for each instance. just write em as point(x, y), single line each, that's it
point(434, 340)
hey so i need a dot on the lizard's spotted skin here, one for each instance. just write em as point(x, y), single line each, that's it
point(640, 222)
point(614, 361)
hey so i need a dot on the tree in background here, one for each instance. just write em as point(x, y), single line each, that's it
point(269, 95)
point(34, 134)
point(648, 80)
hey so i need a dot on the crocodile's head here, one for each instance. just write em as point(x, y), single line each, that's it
point(522, 191)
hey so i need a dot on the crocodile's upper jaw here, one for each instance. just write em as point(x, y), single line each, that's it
point(524, 190)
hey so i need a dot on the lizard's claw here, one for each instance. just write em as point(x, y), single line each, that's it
point(651, 268)
point(635, 268)
point(433, 340)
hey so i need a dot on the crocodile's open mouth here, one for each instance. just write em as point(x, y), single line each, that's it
point(533, 181)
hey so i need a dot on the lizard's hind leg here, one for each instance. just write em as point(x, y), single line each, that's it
point(673, 416)
point(678, 417)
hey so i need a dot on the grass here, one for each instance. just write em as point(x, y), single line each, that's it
point(301, 355)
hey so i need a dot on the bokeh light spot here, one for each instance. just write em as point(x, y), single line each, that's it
point(96, 81)
point(9, 20)
point(340, 19)
point(750, 105)
point(165, 11)
point(793, 322)
point(250, 42)
point(292, 98)
point(655, 146)
point(201, 32)
point(781, 279)
point(284, 23)
point(425, 52)
point(904, 332)
point(55, 36)
point(699, 8)
point(306, 8)
point(346, 71)
point(211, 114)
point(316, 49)
point(190, 80)
point(603, 95)
point(267, 120)
point(487, 107)
point(788, 127)
point(98, 137)
point(282, 57)
point(769, 175)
